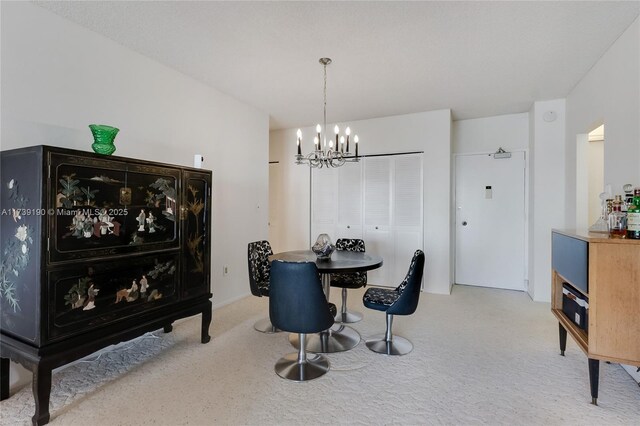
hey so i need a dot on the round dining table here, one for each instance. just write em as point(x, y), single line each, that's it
point(339, 337)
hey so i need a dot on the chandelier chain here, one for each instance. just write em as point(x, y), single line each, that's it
point(325, 104)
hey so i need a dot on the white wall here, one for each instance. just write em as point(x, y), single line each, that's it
point(58, 77)
point(609, 93)
point(547, 195)
point(427, 131)
point(478, 135)
point(595, 179)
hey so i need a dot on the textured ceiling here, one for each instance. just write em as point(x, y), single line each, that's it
point(477, 58)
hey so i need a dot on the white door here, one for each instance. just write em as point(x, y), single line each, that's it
point(407, 212)
point(275, 200)
point(349, 201)
point(490, 221)
point(378, 238)
point(324, 211)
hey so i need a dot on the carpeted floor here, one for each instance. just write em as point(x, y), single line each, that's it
point(481, 356)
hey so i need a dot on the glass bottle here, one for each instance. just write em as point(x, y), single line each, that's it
point(633, 216)
point(617, 221)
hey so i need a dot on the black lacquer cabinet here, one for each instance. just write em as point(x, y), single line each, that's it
point(96, 250)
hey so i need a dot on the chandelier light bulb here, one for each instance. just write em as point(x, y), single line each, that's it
point(347, 131)
point(336, 129)
point(356, 139)
point(318, 129)
point(330, 144)
point(299, 133)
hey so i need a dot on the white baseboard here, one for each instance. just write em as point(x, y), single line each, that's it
point(229, 301)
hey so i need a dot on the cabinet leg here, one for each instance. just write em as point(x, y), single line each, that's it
point(168, 328)
point(4, 378)
point(206, 321)
point(41, 393)
point(594, 377)
point(563, 338)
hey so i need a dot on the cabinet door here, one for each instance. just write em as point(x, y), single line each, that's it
point(407, 192)
point(349, 201)
point(407, 212)
point(109, 207)
point(406, 243)
point(324, 203)
point(92, 294)
point(377, 191)
point(378, 236)
point(196, 233)
point(379, 240)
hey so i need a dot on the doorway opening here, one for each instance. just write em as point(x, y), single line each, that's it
point(591, 191)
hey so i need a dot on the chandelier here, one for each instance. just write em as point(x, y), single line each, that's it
point(331, 155)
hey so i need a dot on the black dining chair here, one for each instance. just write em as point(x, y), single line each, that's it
point(258, 253)
point(297, 304)
point(350, 280)
point(403, 300)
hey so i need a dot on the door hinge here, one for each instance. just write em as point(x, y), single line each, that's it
point(48, 240)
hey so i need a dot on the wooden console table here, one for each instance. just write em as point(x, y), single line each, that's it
point(607, 271)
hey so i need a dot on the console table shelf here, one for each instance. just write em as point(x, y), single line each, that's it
point(606, 271)
point(578, 334)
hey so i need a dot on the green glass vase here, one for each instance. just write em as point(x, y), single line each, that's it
point(103, 137)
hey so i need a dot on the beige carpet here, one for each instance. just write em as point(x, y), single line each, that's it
point(481, 356)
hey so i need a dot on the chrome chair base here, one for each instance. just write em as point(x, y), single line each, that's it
point(314, 366)
point(396, 346)
point(338, 338)
point(348, 317)
point(345, 316)
point(265, 326)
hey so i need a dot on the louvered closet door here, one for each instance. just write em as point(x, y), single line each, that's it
point(377, 217)
point(324, 203)
point(407, 211)
point(349, 201)
point(380, 200)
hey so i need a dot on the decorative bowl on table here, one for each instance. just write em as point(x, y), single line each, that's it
point(323, 248)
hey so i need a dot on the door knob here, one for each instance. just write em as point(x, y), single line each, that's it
point(464, 223)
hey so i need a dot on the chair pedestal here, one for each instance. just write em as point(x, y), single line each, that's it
point(300, 367)
point(389, 344)
point(345, 316)
point(338, 338)
point(265, 326)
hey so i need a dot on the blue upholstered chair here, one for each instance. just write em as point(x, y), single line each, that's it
point(259, 273)
point(297, 304)
point(348, 280)
point(403, 300)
